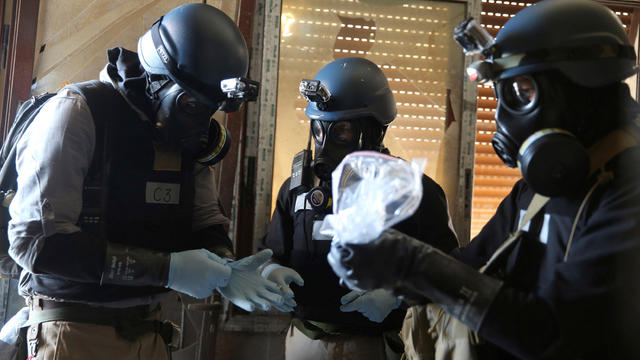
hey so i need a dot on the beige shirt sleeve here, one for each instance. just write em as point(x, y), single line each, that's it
point(207, 209)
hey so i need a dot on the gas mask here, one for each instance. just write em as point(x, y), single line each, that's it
point(537, 130)
point(350, 106)
point(334, 140)
point(548, 76)
point(184, 122)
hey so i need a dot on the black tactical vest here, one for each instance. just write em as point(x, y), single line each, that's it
point(132, 195)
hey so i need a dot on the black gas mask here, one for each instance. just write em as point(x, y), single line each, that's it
point(334, 140)
point(548, 91)
point(184, 122)
point(540, 130)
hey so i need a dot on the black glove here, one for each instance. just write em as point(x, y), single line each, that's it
point(414, 269)
point(378, 264)
point(131, 266)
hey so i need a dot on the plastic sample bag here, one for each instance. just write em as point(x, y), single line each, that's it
point(372, 192)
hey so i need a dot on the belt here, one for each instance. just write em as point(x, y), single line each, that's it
point(39, 304)
point(317, 330)
point(130, 323)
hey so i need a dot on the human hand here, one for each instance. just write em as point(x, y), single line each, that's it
point(375, 305)
point(380, 263)
point(247, 288)
point(283, 276)
point(197, 272)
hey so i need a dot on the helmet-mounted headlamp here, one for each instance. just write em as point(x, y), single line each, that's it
point(314, 91)
point(486, 70)
point(481, 71)
point(238, 90)
point(474, 39)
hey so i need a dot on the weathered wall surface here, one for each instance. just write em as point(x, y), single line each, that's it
point(74, 35)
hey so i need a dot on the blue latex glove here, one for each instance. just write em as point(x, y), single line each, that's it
point(247, 288)
point(197, 272)
point(375, 305)
point(283, 276)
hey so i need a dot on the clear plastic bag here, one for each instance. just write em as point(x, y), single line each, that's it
point(372, 192)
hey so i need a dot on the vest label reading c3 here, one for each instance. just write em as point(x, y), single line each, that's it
point(162, 193)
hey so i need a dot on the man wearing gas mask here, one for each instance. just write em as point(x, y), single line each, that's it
point(350, 106)
point(110, 216)
point(564, 285)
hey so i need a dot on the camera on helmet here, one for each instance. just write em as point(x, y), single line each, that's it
point(314, 91)
point(473, 38)
point(238, 90)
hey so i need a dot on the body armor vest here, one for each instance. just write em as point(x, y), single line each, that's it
point(134, 194)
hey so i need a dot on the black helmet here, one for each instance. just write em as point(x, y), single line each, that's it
point(581, 39)
point(197, 46)
point(350, 106)
point(554, 66)
point(357, 88)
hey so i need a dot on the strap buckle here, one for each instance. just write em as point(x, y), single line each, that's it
point(174, 335)
point(33, 335)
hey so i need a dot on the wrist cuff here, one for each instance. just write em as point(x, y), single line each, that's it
point(269, 269)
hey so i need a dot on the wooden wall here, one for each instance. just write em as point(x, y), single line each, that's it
point(73, 35)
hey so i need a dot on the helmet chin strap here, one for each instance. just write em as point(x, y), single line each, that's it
point(154, 84)
point(372, 135)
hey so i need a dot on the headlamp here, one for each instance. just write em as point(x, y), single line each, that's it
point(474, 39)
point(314, 91)
point(481, 71)
point(238, 90)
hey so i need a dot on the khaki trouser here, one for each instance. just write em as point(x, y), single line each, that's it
point(62, 340)
point(346, 347)
point(429, 333)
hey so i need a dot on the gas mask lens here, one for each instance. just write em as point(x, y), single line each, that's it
point(181, 120)
point(343, 132)
point(518, 94)
point(190, 105)
point(318, 131)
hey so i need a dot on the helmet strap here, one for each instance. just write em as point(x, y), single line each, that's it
point(372, 134)
point(171, 64)
point(154, 84)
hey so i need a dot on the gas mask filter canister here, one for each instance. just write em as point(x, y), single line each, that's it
point(553, 162)
point(184, 122)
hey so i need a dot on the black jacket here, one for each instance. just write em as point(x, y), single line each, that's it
point(587, 305)
point(290, 238)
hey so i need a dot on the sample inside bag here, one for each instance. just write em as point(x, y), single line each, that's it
point(372, 192)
